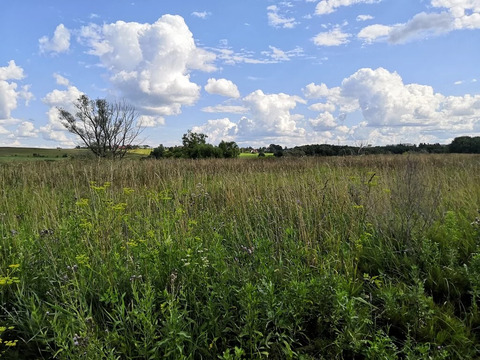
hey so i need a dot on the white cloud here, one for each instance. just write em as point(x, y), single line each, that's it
point(272, 56)
point(26, 130)
point(333, 37)
point(150, 121)
point(375, 32)
point(322, 107)
point(60, 42)
point(231, 109)
point(466, 13)
point(271, 114)
point(364, 17)
point(9, 94)
point(313, 91)
point(61, 80)
point(279, 20)
point(54, 130)
point(391, 110)
point(218, 130)
point(279, 54)
point(421, 26)
point(8, 98)
point(324, 120)
point(201, 14)
point(3, 131)
point(150, 64)
point(459, 14)
point(222, 87)
point(384, 99)
point(329, 6)
point(269, 118)
point(11, 72)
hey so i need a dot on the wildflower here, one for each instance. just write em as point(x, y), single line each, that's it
point(82, 202)
point(127, 190)
point(14, 266)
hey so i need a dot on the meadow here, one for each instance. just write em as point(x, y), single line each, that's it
point(367, 257)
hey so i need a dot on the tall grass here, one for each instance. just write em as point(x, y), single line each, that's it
point(357, 257)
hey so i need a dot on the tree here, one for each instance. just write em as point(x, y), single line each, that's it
point(192, 139)
point(192, 142)
point(158, 152)
point(230, 149)
point(107, 129)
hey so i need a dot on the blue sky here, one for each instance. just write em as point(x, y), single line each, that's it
point(252, 71)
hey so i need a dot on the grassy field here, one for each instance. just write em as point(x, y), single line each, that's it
point(374, 257)
point(252, 156)
point(8, 154)
point(34, 154)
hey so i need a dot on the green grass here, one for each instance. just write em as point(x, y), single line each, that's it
point(314, 258)
point(35, 154)
point(249, 155)
point(8, 154)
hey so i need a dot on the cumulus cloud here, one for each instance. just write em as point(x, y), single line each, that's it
point(150, 64)
point(277, 18)
point(321, 107)
point(11, 72)
point(456, 15)
point(373, 106)
point(218, 130)
point(334, 37)
point(9, 90)
point(54, 130)
point(391, 110)
point(314, 91)
point(324, 120)
point(375, 32)
point(271, 114)
point(385, 100)
point(329, 6)
point(145, 121)
point(466, 13)
point(267, 117)
point(222, 87)
point(60, 42)
point(26, 130)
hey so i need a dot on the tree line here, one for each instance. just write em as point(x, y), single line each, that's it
point(195, 146)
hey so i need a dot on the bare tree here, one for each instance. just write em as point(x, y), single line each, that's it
point(107, 129)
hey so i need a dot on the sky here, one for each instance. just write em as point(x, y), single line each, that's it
point(257, 72)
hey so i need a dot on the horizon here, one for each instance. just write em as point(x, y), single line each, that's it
point(256, 72)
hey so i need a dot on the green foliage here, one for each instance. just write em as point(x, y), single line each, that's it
point(465, 144)
point(229, 149)
point(158, 152)
point(311, 258)
point(196, 147)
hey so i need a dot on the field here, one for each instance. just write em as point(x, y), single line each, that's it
point(368, 257)
point(34, 154)
point(8, 154)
